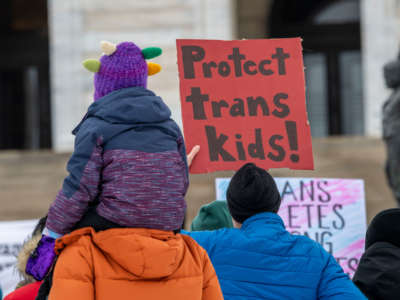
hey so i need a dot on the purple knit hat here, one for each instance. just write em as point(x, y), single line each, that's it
point(122, 66)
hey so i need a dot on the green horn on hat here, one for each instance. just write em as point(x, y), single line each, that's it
point(151, 52)
point(93, 65)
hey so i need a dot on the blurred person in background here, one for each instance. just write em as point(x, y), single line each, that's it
point(391, 126)
point(378, 273)
point(259, 259)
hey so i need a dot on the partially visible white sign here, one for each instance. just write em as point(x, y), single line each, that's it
point(12, 236)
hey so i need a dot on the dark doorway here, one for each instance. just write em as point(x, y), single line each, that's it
point(331, 41)
point(24, 75)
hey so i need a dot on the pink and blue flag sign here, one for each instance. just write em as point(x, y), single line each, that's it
point(329, 211)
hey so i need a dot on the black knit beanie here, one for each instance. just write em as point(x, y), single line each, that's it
point(251, 191)
point(384, 227)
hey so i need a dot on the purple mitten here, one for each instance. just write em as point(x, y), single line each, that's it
point(41, 260)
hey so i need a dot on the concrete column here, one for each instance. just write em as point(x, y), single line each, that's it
point(65, 26)
point(78, 26)
point(380, 24)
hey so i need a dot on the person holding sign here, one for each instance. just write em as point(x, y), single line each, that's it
point(391, 126)
point(259, 259)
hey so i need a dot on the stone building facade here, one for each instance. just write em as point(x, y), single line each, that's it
point(73, 30)
point(346, 43)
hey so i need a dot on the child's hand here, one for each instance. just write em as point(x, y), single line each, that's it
point(192, 154)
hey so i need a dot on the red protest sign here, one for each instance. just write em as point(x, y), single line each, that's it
point(244, 101)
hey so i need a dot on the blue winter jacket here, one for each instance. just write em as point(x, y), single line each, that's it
point(264, 261)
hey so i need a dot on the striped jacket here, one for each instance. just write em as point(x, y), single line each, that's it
point(129, 159)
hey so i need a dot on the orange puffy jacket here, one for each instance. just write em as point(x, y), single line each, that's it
point(132, 263)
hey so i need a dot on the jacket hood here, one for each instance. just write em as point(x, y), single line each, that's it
point(146, 253)
point(130, 106)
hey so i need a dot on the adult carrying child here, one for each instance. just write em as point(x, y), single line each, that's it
point(129, 162)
